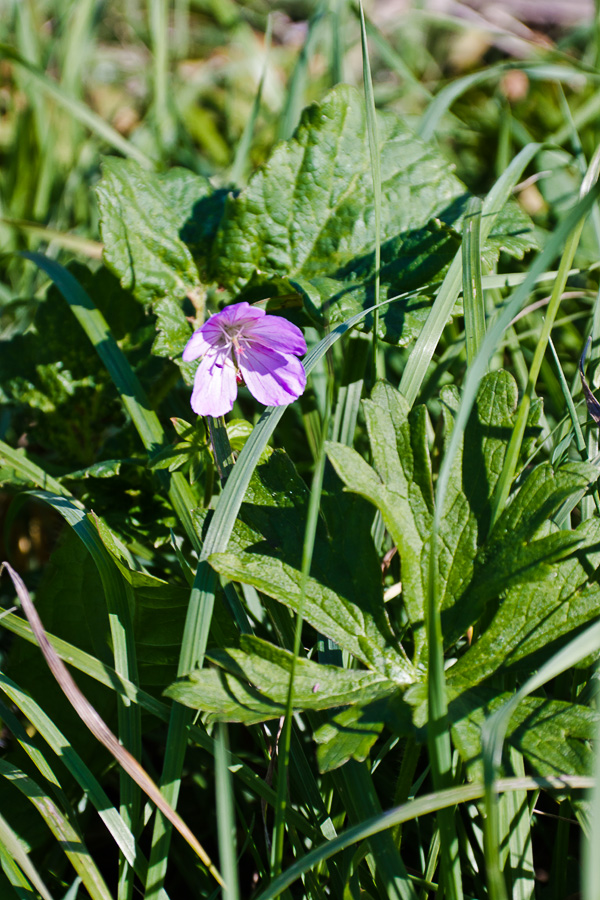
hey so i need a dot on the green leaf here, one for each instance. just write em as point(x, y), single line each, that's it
point(410, 262)
point(142, 215)
point(512, 233)
point(253, 684)
point(344, 597)
point(332, 615)
point(108, 468)
point(535, 620)
point(553, 735)
point(290, 223)
point(351, 733)
point(515, 553)
point(400, 486)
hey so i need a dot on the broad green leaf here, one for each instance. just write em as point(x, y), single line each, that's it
point(142, 215)
point(409, 264)
point(344, 598)
point(253, 684)
point(400, 486)
point(535, 620)
point(473, 571)
point(333, 616)
point(515, 553)
point(486, 437)
point(306, 220)
point(351, 733)
point(553, 735)
point(309, 211)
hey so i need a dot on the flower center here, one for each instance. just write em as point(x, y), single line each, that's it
point(236, 340)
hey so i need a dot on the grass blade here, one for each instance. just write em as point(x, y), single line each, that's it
point(159, 31)
point(421, 806)
point(225, 815)
point(376, 174)
point(472, 291)
point(514, 448)
point(96, 724)
point(118, 601)
point(12, 848)
point(105, 675)
point(67, 836)
point(426, 343)
point(77, 109)
point(242, 153)
point(294, 101)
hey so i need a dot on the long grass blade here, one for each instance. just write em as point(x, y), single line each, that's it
point(98, 727)
point(242, 153)
point(421, 806)
point(473, 298)
point(514, 448)
point(158, 14)
point(74, 242)
point(225, 816)
point(118, 603)
point(103, 674)
point(376, 174)
point(63, 830)
point(11, 846)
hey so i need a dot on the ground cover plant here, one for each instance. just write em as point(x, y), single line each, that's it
point(299, 456)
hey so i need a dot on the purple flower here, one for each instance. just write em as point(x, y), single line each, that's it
point(243, 343)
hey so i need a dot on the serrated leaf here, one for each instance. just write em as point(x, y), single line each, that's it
point(259, 673)
point(340, 620)
point(142, 215)
point(512, 233)
point(409, 262)
point(173, 333)
point(535, 620)
point(344, 594)
point(309, 211)
point(514, 553)
point(306, 219)
point(400, 486)
point(552, 735)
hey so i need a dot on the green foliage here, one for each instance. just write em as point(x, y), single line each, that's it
point(169, 573)
point(494, 582)
point(291, 232)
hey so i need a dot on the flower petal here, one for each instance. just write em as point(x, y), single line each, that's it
point(239, 313)
point(273, 378)
point(215, 385)
point(197, 346)
point(278, 334)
